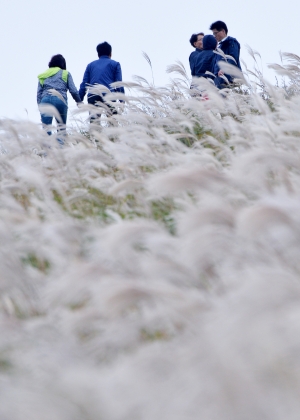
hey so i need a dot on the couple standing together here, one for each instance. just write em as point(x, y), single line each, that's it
point(204, 59)
point(55, 82)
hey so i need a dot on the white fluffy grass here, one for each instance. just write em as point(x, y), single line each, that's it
point(151, 271)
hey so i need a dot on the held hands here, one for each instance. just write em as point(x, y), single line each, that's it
point(220, 73)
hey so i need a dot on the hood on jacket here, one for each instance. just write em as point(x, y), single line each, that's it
point(209, 42)
point(51, 72)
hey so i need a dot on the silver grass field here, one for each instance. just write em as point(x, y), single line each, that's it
point(150, 268)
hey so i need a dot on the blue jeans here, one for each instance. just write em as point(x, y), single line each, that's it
point(62, 109)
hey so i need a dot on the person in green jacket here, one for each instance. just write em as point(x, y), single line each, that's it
point(52, 90)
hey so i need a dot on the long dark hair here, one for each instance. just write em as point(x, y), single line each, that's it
point(58, 61)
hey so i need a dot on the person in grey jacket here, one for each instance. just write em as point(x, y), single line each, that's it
point(52, 90)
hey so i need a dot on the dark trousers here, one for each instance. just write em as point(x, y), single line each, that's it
point(221, 84)
point(98, 100)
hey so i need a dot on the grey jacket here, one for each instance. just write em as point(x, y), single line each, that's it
point(56, 82)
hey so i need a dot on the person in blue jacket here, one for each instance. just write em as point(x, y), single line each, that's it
point(103, 71)
point(52, 90)
point(229, 46)
point(196, 42)
point(206, 60)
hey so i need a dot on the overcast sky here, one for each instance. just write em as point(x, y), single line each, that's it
point(32, 31)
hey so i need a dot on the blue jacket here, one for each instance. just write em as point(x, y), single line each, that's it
point(206, 60)
point(230, 47)
point(192, 59)
point(103, 71)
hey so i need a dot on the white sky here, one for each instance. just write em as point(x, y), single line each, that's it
point(32, 31)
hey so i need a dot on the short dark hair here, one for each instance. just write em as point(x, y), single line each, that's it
point(219, 25)
point(194, 38)
point(58, 61)
point(103, 49)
